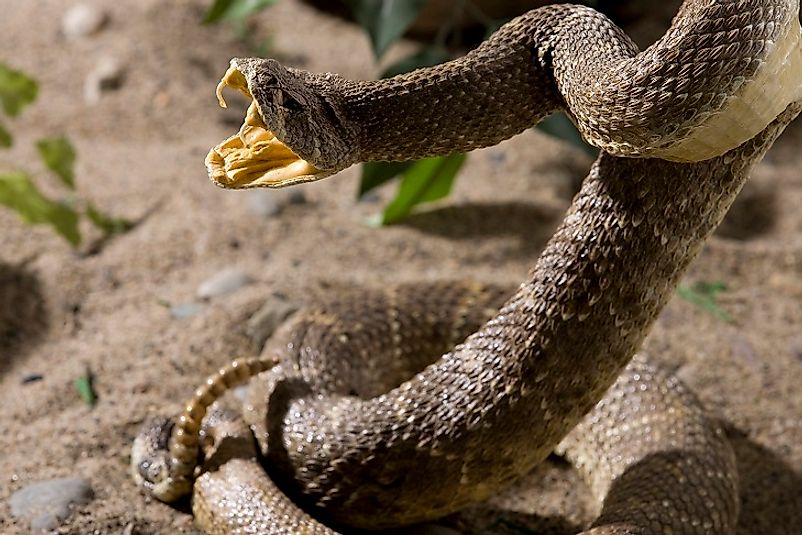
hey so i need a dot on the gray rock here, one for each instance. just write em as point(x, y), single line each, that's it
point(223, 282)
point(82, 20)
point(370, 197)
point(265, 321)
point(32, 378)
point(184, 311)
point(48, 503)
point(270, 202)
point(743, 349)
point(106, 76)
point(263, 202)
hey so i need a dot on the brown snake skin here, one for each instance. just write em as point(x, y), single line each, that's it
point(495, 405)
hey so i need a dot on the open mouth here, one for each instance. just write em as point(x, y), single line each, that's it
point(254, 157)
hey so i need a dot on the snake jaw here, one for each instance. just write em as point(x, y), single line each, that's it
point(257, 156)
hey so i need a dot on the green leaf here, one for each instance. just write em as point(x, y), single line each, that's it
point(374, 174)
point(385, 20)
point(16, 90)
point(426, 57)
point(561, 127)
point(19, 193)
point(234, 10)
point(703, 294)
point(83, 385)
point(109, 225)
point(426, 181)
point(58, 155)
point(5, 137)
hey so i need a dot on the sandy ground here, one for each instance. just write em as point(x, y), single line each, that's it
point(141, 152)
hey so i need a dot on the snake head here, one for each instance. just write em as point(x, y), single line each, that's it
point(152, 465)
point(294, 130)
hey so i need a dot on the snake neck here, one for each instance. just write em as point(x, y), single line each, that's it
point(496, 91)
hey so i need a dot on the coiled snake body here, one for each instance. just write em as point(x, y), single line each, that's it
point(680, 125)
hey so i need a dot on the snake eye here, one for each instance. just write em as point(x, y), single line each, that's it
point(290, 104)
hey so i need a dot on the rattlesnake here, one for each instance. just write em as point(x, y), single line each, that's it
point(680, 126)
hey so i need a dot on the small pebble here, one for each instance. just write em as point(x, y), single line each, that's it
point(82, 20)
point(32, 378)
point(223, 282)
point(47, 504)
point(106, 76)
point(184, 311)
point(263, 202)
point(370, 197)
point(265, 321)
point(268, 202)
point(498, 158)
point(744, 351)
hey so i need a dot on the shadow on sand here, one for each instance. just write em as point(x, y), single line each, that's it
point(770, 496)
point(530, 225)
point(23, 314)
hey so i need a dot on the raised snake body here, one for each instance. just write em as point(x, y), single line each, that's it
point(714, 92)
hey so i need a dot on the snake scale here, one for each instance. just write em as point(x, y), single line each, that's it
point(361, 423)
